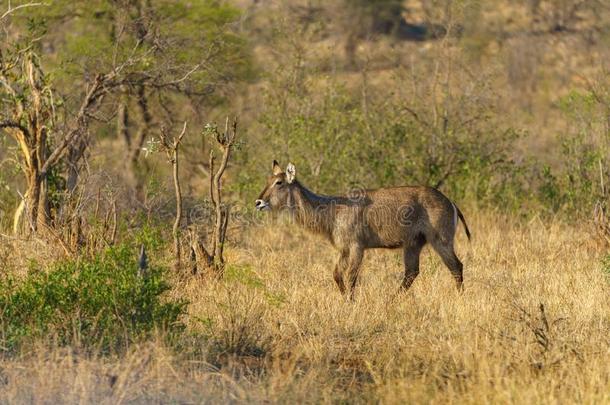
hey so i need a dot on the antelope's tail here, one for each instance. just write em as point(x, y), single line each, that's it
point(459, 213)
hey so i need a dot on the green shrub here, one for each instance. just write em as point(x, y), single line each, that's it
point(340, 139)
point(368, 16)
point(581, 182)
point(102, 302)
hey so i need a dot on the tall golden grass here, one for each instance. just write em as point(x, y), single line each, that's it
point(532, 326)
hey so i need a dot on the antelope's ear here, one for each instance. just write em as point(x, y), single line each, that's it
point(291, 173)
point(276, 168)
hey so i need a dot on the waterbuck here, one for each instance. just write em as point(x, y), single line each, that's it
point(394, 217)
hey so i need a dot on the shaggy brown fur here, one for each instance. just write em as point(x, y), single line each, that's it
point(396, 217)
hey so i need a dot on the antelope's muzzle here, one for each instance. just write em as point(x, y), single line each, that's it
point(261, 205)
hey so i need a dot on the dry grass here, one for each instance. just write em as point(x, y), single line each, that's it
point(532, 326)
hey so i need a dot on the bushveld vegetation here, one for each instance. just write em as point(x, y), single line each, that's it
point(133, 267)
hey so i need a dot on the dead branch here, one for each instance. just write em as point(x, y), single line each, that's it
point(142, 132)
point(212, 260)
point(171, 145)
point(226, 141)
point(94, 93)
point(13, 9)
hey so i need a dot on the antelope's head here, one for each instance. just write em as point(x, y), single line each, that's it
point(277, 192)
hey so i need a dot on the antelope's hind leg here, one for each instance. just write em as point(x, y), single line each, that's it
point(447, 253)
point(411, 253)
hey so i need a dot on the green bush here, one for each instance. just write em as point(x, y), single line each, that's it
point(368, 16)
point(99, 303)
point(581, 182)
point(340, 139)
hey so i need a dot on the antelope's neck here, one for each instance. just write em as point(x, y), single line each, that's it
point(314, 212)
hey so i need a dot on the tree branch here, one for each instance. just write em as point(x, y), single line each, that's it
point(15, 125)
point(91, 97)
point(13, 9)
point(171, 147)
point(226, 142)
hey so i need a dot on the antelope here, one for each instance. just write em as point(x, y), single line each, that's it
point(392, 218)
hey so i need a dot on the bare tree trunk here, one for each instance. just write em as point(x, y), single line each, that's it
point(32, 201)
point(73, 161)
point(212, 261)
point(171, 149)
point(17, 217)
point(137, 142)
point(226, 142)
point(221, 212)
point(44, 205)
point(178, 192)
point(144, 127)
point(122, 118)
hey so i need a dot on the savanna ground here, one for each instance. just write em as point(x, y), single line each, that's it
point(502, 105)
point(531, 327)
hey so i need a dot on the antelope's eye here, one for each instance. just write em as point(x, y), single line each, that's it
point(278, 183)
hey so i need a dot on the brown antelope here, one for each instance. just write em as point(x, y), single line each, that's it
point(394, 217)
